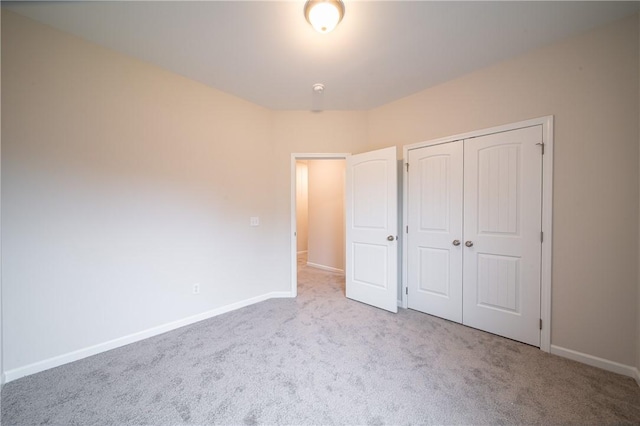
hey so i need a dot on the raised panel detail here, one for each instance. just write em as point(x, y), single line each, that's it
point(370, 264)
point(499, 189)
point(369, 203)
point(499, 282)
point(434, 193)
point(434, 271)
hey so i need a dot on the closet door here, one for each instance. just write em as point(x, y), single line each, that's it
point(435, 230)
point(502, 233)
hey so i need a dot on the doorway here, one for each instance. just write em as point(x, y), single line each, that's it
point(370, 240)
point(320, 213)
point(317, 213)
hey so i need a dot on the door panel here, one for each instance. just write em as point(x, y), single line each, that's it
point(502, 219)
point(371, 218)
point(371, 273)
point(434, 271)
point(434, 202)
point(370, 204)
point(498, 184)
point(498, 282)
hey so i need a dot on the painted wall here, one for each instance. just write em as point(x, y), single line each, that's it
point(590, 84)
point(302, 205)
point(326, 214)
point(123, 185)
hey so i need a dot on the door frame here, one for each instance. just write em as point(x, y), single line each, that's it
point(547, 211)
point(294, 222)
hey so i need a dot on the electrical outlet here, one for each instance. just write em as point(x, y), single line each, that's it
point(254, 221)
point(196, 289)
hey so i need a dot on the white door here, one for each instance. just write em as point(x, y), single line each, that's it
point(502, 233)
point(371, 268)
point(435, 230)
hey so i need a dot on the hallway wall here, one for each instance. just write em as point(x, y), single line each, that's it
point(326, 214)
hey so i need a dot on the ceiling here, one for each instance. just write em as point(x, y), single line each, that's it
point(266, 52)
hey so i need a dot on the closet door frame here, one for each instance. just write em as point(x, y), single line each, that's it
point(547, 209)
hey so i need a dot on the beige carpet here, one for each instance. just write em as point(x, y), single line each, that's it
point(322, 359)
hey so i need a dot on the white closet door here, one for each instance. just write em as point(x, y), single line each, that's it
point(502, 225)
point(435, 230)
point(372, 228)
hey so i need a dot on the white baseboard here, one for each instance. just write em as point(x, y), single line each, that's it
point(56, 361)
point(637, 376)
point(594, 361)
point(325, 268)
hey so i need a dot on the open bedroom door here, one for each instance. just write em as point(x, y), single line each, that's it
point(371, 269)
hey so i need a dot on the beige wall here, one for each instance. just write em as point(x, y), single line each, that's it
point(123, 185)
point(326, 214)
point(590, 84)
point(302, 205)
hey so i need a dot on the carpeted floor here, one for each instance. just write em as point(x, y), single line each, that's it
point(322, 359)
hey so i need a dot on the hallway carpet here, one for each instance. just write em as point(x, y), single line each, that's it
point(322, 359)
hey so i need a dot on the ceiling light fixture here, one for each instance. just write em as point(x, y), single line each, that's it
point(324, 15)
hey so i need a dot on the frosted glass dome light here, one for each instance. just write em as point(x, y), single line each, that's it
point(324, 15)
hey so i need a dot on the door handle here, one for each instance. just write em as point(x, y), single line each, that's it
point(390, 238)
point(469, 244)
point(456, 243)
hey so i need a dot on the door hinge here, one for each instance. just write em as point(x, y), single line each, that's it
point(541, 236)
point(407, 164)
point(406, 290)
point(542, 145)
point(540, 323)
point(407, 228)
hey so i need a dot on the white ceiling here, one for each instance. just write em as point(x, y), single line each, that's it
point(266, 52)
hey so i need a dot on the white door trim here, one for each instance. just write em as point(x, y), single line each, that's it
point(547, 211)
point(294, 246)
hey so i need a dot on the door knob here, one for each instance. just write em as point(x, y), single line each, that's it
point(390, 238)
point(456, 243)
point(469, 243)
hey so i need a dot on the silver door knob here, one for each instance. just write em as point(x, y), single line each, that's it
point(469, 243)
point(456, 243)
point(390, 238)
